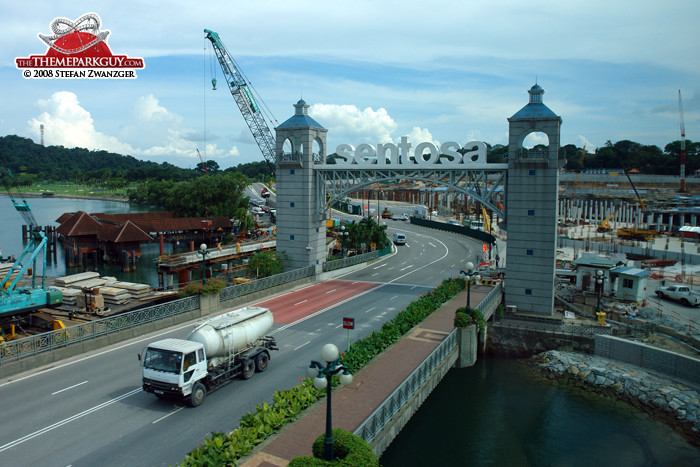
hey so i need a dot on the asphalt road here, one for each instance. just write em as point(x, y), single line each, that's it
point(91, 410)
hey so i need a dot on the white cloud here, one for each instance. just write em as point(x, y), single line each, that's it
point(154, 132)
point(350, 125)
point(420, 135)
point(67, 124)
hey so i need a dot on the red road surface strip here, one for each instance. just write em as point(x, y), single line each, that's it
point(293, 306)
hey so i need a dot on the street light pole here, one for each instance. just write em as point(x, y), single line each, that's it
point(204, 252)
point(470, 275)
point(600, 280)
point(322, 379)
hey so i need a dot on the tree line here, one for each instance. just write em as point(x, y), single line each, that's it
point(32, 162)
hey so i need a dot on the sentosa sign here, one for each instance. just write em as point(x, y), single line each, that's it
point(424, 154)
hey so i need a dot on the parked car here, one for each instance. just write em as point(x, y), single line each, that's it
point(680, 293)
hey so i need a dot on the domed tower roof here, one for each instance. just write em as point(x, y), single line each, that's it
point(535, 108)
point(301, 118)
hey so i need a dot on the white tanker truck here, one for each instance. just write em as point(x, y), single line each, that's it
point(216, 351)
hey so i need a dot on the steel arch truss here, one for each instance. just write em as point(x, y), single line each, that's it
point(483, 185)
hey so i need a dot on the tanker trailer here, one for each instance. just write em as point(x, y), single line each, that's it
point(216, 351)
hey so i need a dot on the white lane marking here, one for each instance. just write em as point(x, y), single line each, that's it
point(380, 266)
point(370, 309)
point(338, 326)
point(375, 274)
point(65, 421)
point(429, 243)
point(302, 345)
point(166, 416)
point(282, 328)
point(299, 303)
point(394, 297)
point(409, 266)
point(69, 387)
point(331, 291)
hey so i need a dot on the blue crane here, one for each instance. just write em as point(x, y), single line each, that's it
point(15, 299)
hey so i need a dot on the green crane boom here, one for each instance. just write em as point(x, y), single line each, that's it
point(244, 99)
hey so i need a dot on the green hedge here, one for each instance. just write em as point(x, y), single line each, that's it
point(226, 450)
point(464, 317)
point(348, 449)
point(197, 288)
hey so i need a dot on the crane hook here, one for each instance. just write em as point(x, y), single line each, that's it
point(213, 83)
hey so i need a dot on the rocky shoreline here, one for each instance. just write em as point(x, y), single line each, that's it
point(672, 402)
point(72, 196)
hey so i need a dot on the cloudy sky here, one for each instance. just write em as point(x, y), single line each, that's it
point(371, 72)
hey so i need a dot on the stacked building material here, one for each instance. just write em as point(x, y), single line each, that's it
point(70, 296)
point(67, 281)
point(137, 291)
point(90, 284)
point(115, 295)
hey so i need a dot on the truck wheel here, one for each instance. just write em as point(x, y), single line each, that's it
point(248, 368)
point(199, 393)
point(685, 302)
point(261, 362)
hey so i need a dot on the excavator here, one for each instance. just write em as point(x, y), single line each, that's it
point(604, 225)
point(633, 234)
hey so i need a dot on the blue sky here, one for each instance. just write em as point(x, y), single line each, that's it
point(371, 72)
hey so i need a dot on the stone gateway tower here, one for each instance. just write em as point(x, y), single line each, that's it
point(531, 208)
point(301, 231)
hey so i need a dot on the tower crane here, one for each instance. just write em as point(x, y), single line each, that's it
point(244, 99)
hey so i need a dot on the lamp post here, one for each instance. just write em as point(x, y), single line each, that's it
point(322, 379)
point(343, 234)
point(204, 252)
point(600, 280)
point(470, 276)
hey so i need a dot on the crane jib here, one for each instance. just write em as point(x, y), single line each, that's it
point(248, 105)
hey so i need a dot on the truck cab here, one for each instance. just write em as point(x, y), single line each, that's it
point(173, 367)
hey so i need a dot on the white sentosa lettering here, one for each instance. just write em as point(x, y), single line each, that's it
point(425, 154)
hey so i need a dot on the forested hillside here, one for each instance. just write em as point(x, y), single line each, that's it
point(31, 162)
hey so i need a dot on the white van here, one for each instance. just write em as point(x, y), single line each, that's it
point(399, 238)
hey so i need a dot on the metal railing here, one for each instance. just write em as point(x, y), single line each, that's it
point(48, 341)
point(491, 301)
point(530, 324)
point(286, 158)
point(369, 429)
point(353, 260)
point(532, 154)
point(257, 285)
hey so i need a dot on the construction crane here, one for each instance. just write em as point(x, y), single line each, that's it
point(680, 111)
point(624, 169)
point(247, 104)
point(204, 166)
point(15, 299)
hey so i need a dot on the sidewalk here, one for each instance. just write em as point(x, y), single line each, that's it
point(370, 387)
